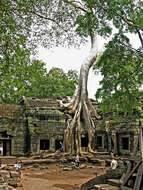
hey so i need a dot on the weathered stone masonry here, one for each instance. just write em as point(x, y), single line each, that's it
point(37, 125)
point(13, 130)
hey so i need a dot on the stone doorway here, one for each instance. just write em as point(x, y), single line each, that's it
point(84, 142)
point(99, 141)
point(44, 144)
point(125, 143)
point(5, 147)
point(57, 144)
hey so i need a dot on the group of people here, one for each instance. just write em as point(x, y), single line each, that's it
point(76, 158)
point(114, 163)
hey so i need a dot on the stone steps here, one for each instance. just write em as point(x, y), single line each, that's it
point(114, 182)
point(105, 187)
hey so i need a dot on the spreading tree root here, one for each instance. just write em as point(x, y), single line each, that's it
point(84, 111)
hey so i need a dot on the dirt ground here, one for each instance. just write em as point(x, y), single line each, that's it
point(53, 177)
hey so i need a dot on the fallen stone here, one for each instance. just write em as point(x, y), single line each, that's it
point(82, 166)
point(4, 173)
point(4, 187)
point(67, 169)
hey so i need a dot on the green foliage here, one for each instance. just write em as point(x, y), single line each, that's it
point(16, 79)
point(55, 84)
point(25, 24)
point(14, 55)
point(32, 80)
point(121, 64)
point(121, 69)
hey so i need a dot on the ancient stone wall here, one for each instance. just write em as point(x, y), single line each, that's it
point(12, 130)
point(46, 125)
point(37, 125)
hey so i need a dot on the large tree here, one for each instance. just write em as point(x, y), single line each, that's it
point(121, 63)
point(68, 22)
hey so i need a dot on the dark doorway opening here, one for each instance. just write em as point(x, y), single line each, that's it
point(112, 144)
point(6, 147)
point(4, 134)
point(84, 141)
point(99, 141)
point(44, 144)
point(125, 143)
point(57, 144)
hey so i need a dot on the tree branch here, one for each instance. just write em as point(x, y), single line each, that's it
point(47, 18)
point(126, 20)
point(73, 4)
point(34, 13)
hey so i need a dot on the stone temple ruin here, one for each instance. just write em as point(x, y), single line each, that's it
point(37, 125)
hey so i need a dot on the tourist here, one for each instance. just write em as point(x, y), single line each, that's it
point(61, 146)
point(77, 160)
point(17, 166)
point(114, 163)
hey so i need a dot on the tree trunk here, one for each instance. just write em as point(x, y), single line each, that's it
point(81, 108)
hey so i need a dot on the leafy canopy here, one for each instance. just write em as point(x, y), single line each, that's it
point(121, 69)
point(25, 24)
point(55, 84)
point(121, 64)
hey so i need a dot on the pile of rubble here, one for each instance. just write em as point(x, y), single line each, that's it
point(110, 180)
point(9, 178)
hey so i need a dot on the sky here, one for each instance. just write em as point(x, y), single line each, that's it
point(73, 58)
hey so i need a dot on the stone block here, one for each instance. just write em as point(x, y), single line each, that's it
point(67, 169)
point(1, 180)
point(14, 174)
point(100, 186)
point(13, 182)
point(4, 173)
point(82, 166)
point(4, 187)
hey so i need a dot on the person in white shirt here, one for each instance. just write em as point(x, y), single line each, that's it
point(114, 163)
point(17, 167)
point(77, 160)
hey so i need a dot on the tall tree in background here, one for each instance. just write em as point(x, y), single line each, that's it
point(68, 22)
point(54, 84)
point(19, 75)
point(14, 54)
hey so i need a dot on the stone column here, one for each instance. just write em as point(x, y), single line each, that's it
point(109, 142)
point(114, 137)
point(52, 144)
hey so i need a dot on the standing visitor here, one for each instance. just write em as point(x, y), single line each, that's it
point(114, 163)
point(77, 160)
point(17, 167)
point(61, 146)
